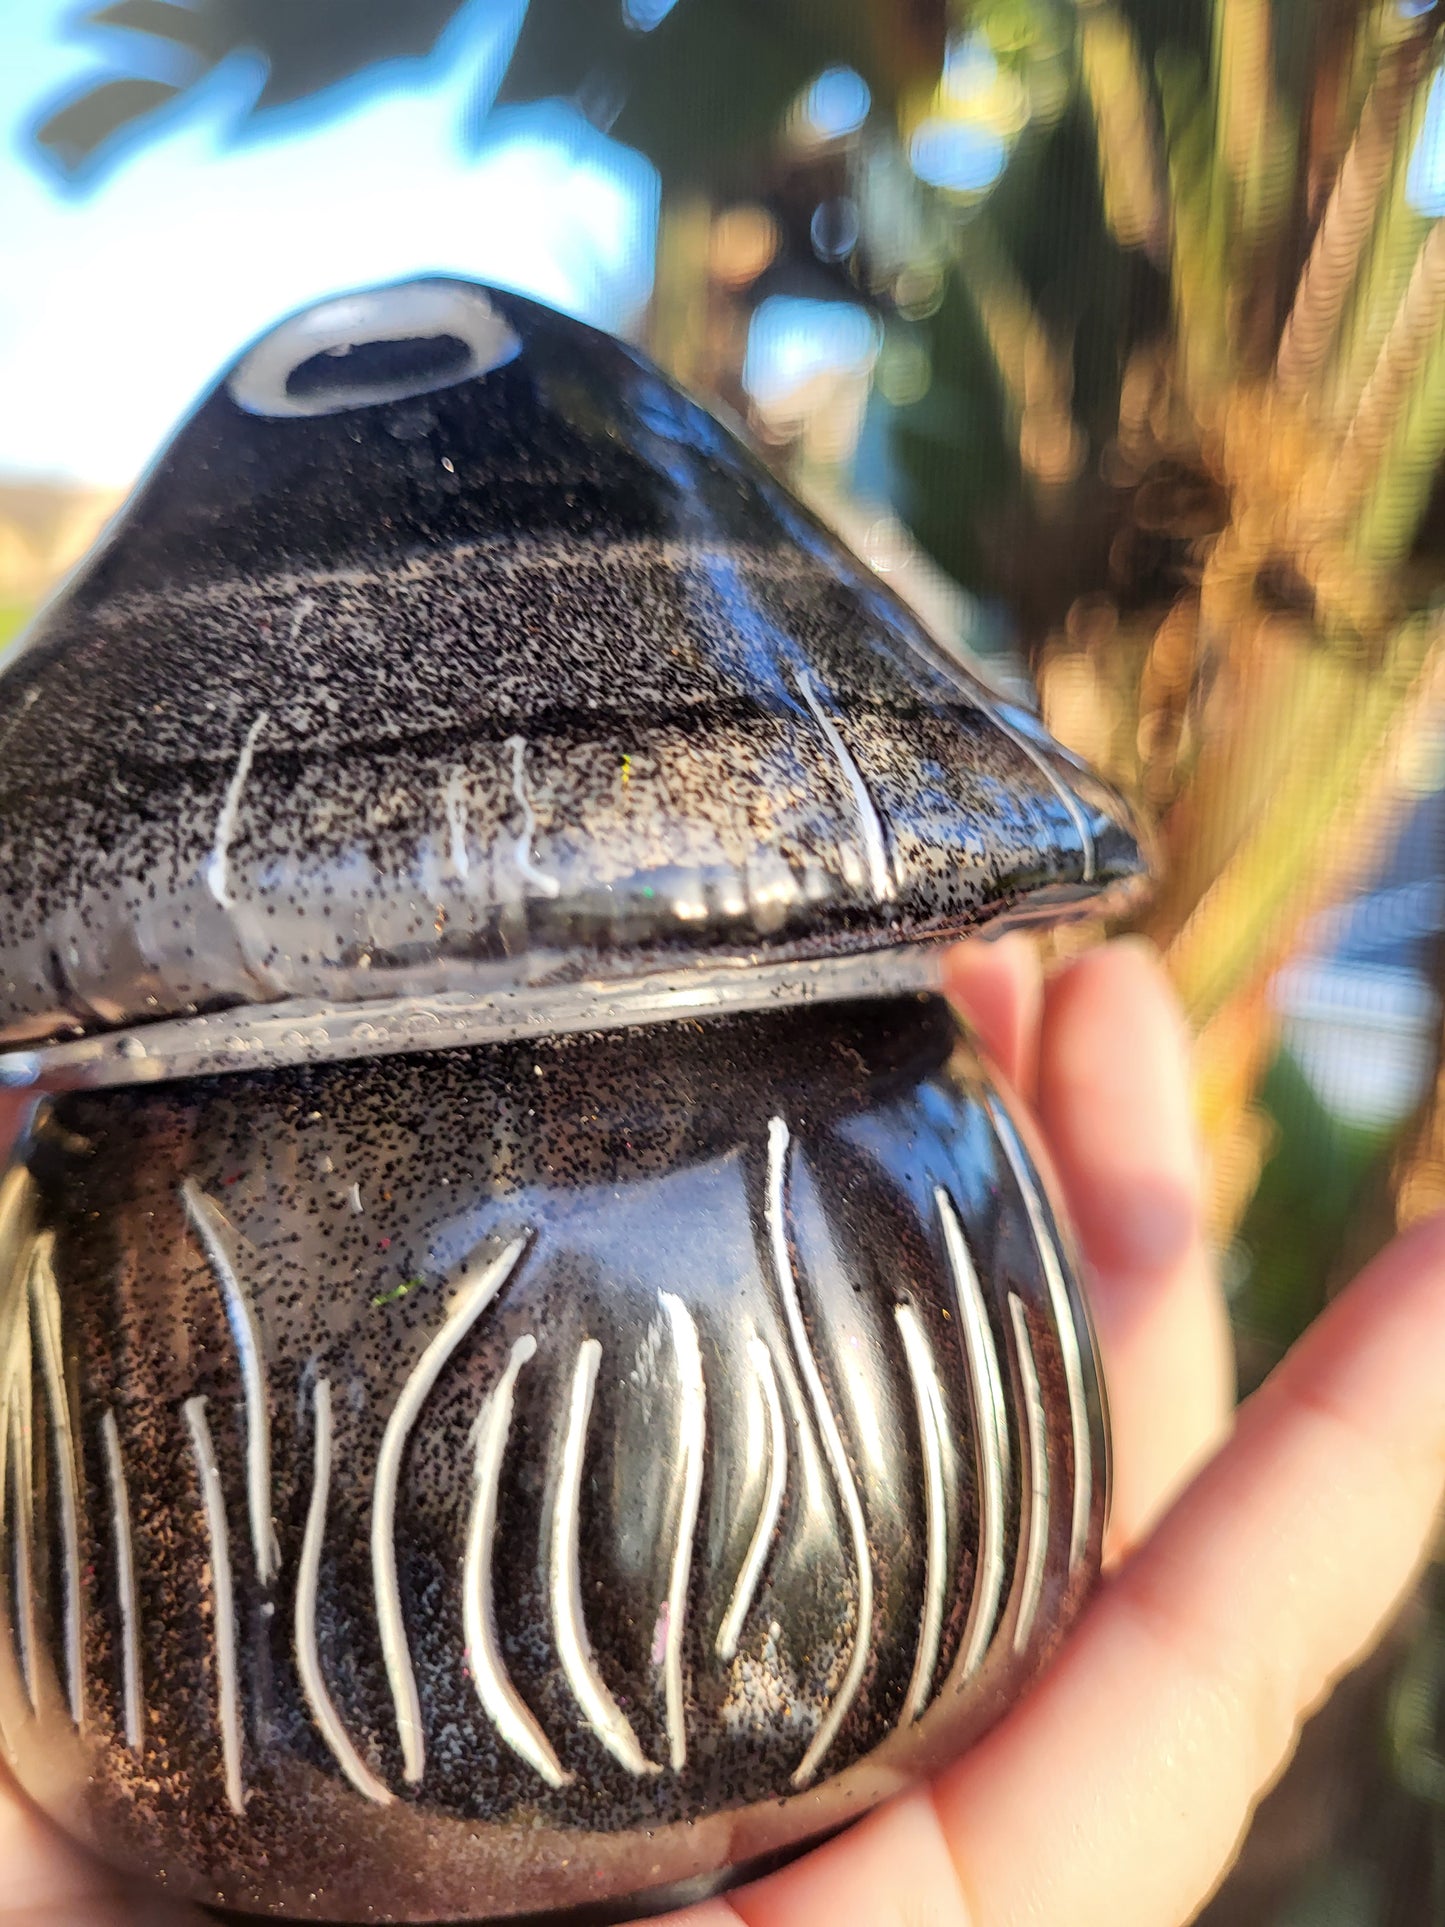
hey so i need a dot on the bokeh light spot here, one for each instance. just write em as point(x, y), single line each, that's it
point(957, 155)
point(837, 103)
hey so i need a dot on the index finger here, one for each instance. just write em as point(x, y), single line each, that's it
point(1115, 1792)
point(1115, 1108)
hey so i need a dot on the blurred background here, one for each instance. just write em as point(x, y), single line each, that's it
point(1112, 332)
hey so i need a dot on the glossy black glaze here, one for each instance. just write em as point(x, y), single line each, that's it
point(542, 1476)
point(533, 676)
point(695, 1177)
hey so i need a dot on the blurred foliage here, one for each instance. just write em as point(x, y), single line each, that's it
point(710, 82)
point(307, 49)
point(12, 617)
point(705, 80)
point(1160, 308)
point(1298, 1218)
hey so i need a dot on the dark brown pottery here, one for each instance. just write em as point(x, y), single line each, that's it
point(538, 1374)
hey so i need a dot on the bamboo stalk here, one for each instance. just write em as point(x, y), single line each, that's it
point(1243, 91)
point(1230, 1057)
point(1390, 512)
point(1036, 376)
point(1198, 284)
point(1397, 236)
point(1129, 170)
point(1392, 397)
point(678, 320)
point(1346, 224)
point(1263, 698)
point(1379, 29)
point(1323, 821)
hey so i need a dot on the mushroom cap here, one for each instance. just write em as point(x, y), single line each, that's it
point(449, 649)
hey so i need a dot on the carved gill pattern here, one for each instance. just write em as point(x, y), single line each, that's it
point(976, 1478)
point(503, 1704)
point(480, 1286)
point(45, 1311)
point(17, 1242)
point(1036, 1519)
point(1064, 1330)
point(759, 1546)
point(215, 1237)
point(932, 1432)
point(132, 1684)
point(17, 1479)
point(601, 1711)
point(777, 1217)
point(308, 1656)
point(692, 1448)
point(223, 1601)
point(990, 1437)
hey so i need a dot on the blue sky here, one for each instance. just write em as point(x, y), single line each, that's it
point(118, 306)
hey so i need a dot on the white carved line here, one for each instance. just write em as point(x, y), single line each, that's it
point(500, 1699)
point(545, 885)
point(478, 1289)
point(454, 801)
point(752, 1567)
point(45, 1306)
point(218, 863)
point(132, 1690)
point(1038, 1515)
point(692, 1448)
point(17, 1190)
point(574, 1648)
point(1067, 1335)
point(990, 1432)
point(209, 1223)
point(932, 1429)
point(23, 1500)
point(11, 1581)
point(870, 828)
point(223, 1605)
point(308, 1658)
point(1072, 806)
point(14, 1195)
point(18, 1488)
point(777, 1216)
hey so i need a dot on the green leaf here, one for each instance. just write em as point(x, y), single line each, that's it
point(711, 78)
point(307, 49)
point(311, 45)
point(191, 28)
point(714, 76)
point(76, 132)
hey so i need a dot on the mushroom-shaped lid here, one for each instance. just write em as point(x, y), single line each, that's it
point(451, 673)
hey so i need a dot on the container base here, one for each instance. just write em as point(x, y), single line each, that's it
point(612, 1913)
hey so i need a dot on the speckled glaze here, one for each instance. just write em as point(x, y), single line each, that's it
point(559, 1473)
point(532, 676)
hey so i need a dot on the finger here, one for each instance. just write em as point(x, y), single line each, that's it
point(1114, 1105)
point(998, 986)
point(49, 1882)
point(15, 1107)
point(1115, 1793)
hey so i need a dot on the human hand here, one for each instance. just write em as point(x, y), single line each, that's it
point(1116, 1790)
point(1250, 1563)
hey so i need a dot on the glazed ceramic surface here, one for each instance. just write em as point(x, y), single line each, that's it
point(654, 1470)
point(532, 678)
point(536, 1374)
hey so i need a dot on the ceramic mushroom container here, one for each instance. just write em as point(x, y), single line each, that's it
point(537, 1373)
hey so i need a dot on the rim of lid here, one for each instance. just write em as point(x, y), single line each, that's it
point(376, 345)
